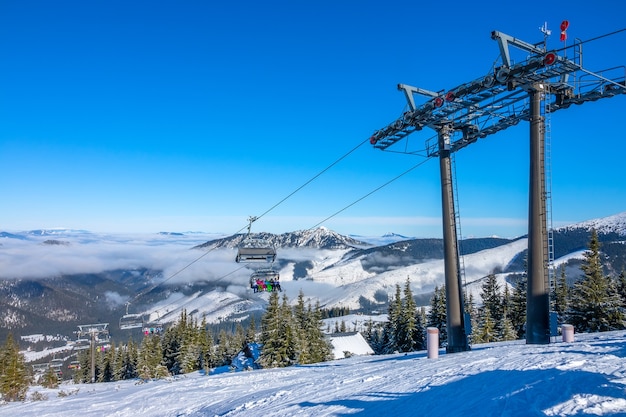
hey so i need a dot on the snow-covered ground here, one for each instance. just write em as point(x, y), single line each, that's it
point(586, 377)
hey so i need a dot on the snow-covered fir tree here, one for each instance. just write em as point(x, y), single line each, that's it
point(487, 328)
point(438, 314)
point(595, 304)
point(517, 309)
point(472, 311)
point(560, 295)
point(278, 337)
point(410, 330)
point(492, 302)
point(150, 359)
point(14, 377)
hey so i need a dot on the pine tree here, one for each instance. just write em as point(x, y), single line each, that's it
point(251, 333)
point(392, 327)
point(301, 319)
point(506, 301)
point(207, 348)
point(517, 310)
point(376, 341)
point(323, 350)
point(171, 343)
point(14, 378)
point(561, 295)
point(289, 330)
point(406, 326)
point(190, 352)
point(239, 338)
point(227, 347)
point(506, 330)
point(621, 287)
point(315, 347)
point(106, 365)
point(126, 361)
point(270, 334)
point(492, 301)
point(438, 314)
point(595, 304)
point(505, 327)
point(82, 374)
point(487, 328)
point(470, 309)
point(419, 336)
point(50, 379)
point(386, 341)
point(150, 358)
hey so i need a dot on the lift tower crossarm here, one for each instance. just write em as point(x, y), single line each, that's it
point(503, 42)
point(409, 90)
point(500, 99)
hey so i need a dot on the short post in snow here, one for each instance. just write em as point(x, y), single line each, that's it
point(568, 333)
point(432, 342)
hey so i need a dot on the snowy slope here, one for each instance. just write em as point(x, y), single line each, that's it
point(351, 281)
point(615, 224)
point(586, 377)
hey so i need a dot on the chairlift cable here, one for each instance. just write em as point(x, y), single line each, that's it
point(313, 178)
point(161, 308)
point(254, 218)
point(251, 219)
point(590, 40)
point(370, 193)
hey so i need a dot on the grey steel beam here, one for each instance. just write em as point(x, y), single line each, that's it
point(538, 297)
point(457, 339)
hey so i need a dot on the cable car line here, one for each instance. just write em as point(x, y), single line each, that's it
point(254, 218)
point(592, 39)
point(243, 228)
point(163, 307)
point(370, 193)
point(312, 179)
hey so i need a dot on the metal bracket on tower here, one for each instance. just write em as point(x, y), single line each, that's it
point(503, 42)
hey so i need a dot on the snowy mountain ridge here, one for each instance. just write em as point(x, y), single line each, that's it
point(611, 224)
point(319, 238)
point(91, 276)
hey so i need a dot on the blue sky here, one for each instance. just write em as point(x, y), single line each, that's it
point(148, 116)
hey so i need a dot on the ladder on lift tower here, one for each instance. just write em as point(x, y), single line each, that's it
point(548, 186)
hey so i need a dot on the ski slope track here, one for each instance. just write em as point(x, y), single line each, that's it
point(585, 377)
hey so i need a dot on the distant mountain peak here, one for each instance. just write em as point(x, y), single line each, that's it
point(319, 238)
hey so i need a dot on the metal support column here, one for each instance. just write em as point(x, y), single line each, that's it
point(93, 357)
point(457, 339)
point(538, 299)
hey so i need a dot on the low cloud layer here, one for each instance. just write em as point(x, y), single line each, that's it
point(33, 259)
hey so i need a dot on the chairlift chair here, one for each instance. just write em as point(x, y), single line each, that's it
point(265, 274)
point(131, 321)
point(265, 279)
point(56, 363)
point(255, 249)
point(81, 344)
point(153, 328)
